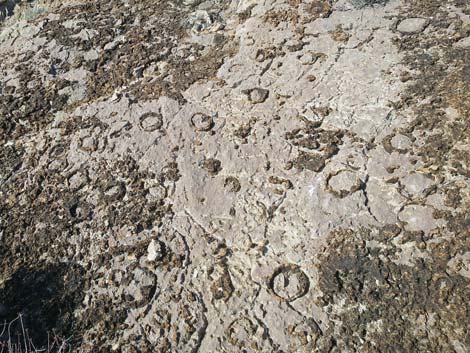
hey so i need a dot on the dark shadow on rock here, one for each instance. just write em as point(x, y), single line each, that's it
point(7, 8)
point(46, 298)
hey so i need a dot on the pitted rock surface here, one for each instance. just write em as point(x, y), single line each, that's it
point(236, 176)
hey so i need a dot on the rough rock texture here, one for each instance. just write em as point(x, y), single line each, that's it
point(236, 176)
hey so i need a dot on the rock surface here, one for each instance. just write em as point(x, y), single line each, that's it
point(412, 25)
point(236, 176)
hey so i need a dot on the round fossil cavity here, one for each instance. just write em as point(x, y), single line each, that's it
point(202, 122)
point(211, 165)
point(256, 95)
point(232, 184)
point(241, 331)
point(308, 59)
point(78, 209)
point(260, 55)
point(289, 283)
point(157, 192)
point(344, 182)
point(305, 333)
point(151, 121)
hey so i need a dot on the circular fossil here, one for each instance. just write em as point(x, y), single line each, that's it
point(211, 165)
point(289, 282)
point(241, 331)
point(163, 325)
point(256, 95)
point(78, 210)
point(57, 159)
point(232, 184)
point(151, 121)
point(202, 122)
point(305, 333)
point(156, 193)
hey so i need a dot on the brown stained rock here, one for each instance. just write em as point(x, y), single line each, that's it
point(319, 9)
point(284, 185)
point(280, 181)
point(339, 34)
point(267, 53)
point(222, 287)
point(453, 198)
point(211, 165)
point(244, 130)
point(321, 144)
point(276, 17)
point(311, 78)
point(310, 161)
point(308, 143)
point(171, 172)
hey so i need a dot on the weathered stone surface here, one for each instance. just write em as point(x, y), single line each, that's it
point(412, 25)
point(236, 176)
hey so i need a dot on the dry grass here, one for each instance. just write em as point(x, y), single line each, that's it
point(18, 340)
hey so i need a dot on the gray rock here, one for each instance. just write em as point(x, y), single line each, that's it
point(155, 251)
point(257, 95)
point(412, 25)
point(400, 142)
